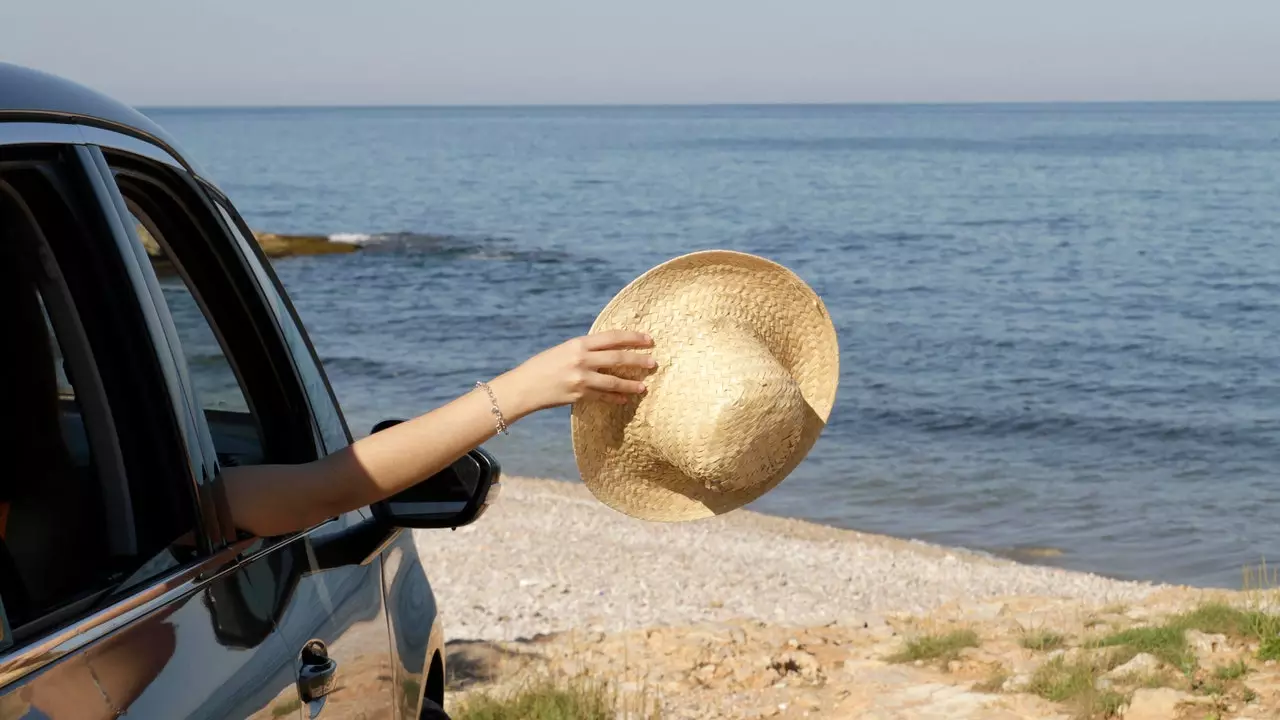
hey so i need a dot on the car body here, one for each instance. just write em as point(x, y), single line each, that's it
point(126, 589)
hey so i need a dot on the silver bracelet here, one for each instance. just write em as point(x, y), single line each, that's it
point(497, 411)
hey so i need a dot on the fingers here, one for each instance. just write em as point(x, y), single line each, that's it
point(601, 382)
point(610, 339)
point(619, 358)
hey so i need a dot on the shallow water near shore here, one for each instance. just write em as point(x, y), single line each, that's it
point(1060, 324)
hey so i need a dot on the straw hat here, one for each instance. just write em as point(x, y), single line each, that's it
point(747, 372)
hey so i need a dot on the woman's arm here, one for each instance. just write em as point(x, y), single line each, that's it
point(279, 499)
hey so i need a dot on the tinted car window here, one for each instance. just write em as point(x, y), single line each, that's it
point(83, 513)
point(235, 432)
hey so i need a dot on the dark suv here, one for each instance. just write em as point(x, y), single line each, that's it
point(148, 343)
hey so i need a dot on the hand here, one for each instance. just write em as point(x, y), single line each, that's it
point(574, 370)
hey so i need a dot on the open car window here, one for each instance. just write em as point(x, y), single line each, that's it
point(237, 365)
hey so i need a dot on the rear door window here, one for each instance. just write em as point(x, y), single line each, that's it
point(95, 495)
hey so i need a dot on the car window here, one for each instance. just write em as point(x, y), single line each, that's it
point(216, 381)
point(48, 439)
point(239, 370)
point(331, 425)
point(86, 505)
point(232, 425)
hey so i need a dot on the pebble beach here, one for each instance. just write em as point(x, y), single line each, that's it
point(549, 557)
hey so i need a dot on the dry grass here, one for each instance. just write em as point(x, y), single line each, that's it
point(942, 647)
point(547, 699)
point(1042, 640)
point(1075, 684)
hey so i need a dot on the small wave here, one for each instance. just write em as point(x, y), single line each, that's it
point(351, 238)
point(1052, 222)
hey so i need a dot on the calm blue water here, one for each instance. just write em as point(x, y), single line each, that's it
point(1060, 325)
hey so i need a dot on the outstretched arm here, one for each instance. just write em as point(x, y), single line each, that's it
point(279, 499)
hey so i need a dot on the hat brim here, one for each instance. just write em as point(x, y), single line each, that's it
point(786, 314)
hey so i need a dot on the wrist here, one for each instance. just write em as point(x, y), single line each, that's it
point(513, 401)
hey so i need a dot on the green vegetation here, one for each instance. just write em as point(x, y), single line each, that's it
point(1213, 687)
point(943, 648)
point(1234, 671)
point(549, 700)
point(1042, 640)
point(1166, 643)
point(1269, 649)
point(284, 709)
point(1059, 680)
point(1262, 583)
point(1075, 683)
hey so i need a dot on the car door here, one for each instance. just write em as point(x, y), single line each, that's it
point(120, 593)
point(338, 601)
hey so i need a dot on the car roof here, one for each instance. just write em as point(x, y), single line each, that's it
point(33, 95)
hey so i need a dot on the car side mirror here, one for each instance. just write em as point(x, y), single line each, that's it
point(453, 497)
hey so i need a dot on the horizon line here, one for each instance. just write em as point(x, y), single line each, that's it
point(693, 105)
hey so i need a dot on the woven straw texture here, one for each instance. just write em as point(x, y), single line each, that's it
point(748, 365)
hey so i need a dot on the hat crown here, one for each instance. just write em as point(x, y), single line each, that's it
point(722, 410)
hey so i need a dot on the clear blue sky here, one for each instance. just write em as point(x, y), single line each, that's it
point(179, 52)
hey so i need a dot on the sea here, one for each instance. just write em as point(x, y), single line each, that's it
point(1059, 324)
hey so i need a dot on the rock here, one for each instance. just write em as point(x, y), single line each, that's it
point(1141, 664)
point(705, 674)
point(1016, 683)
point(275, 246)
point(797, 662)
point(1137, 613)
point(1156, 704)
point(1204, 643)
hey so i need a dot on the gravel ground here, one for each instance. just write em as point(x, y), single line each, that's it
point(548, 557)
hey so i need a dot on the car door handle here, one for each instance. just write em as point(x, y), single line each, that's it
point(318, 675)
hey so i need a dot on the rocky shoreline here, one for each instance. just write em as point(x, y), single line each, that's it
point(748, 616)
point(274, 245)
